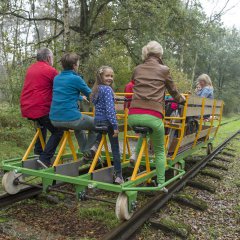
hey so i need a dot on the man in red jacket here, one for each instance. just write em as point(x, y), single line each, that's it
point(128, 89)
point(36, 98)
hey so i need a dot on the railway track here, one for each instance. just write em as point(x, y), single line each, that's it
point(225, 123)
point(127, 229)
point(31, 191)
point(7, 200)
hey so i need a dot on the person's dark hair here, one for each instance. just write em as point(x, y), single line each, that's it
point(68, 60)
point(43, 54)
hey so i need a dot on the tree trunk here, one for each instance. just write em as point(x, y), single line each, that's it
point(194, 69)
point(55, 28)
point(35, 23)
point(84, 43)
point(181, 60)
point(66, 26)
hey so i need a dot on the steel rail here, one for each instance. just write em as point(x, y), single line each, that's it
point(225, 123)
point(7, 199)
point(127, 229)
point(32, 191)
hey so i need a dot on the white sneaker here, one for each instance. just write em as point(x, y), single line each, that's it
point(42, 164)
point(94, 148)
point(165, 190)
point(133, 159)
point(119, 180)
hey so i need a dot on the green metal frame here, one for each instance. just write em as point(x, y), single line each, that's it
point(49, 176)
point(82, 182)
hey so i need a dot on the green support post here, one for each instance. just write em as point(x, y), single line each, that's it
point(132, 200)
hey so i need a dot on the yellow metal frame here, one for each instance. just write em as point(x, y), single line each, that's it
point(211, 122)
point(182, 128)
point(65, 138)
point(144, 149)
point(37, 135)
point(103, 143)
point(200, 123)
point(126, 137)
point(220, 119)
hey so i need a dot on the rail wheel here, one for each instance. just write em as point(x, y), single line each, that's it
point(122, 210)
point(209, 148)
point(10, 184)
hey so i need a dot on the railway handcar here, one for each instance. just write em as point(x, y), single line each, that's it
point(190, 127)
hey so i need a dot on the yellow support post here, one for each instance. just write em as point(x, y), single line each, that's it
point(61, 150)
point(41, 138)
point(183, 118)
point(220, 119)
point(132, 136)
point(137, 164)
point(147, 159)
point(97, 155)
point(103, 143)
point(201, 122)
point(143, 175)
point(37, 135)
point(212, 119)
point(125, 133)
point(166, 141)
point(128, 147)
point(174, 118)
point(70, 142)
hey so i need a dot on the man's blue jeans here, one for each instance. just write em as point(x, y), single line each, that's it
point(53, 141)
point(114, 145)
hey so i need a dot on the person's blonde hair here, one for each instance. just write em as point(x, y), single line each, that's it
point(204, 77)
point(153, 48)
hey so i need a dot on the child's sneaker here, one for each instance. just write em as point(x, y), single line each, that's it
point(119, 180)
point(133, 159)
point(43, 164)
point(94, 148)
point(165, 190)
point(87, 157)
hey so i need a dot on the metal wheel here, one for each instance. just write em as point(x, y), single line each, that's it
point(122, 211)
point(209, 148)
point(9, 184)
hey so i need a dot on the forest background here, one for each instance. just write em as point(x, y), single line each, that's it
point(112, 33)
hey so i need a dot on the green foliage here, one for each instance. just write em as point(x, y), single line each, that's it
point(113, 55)
point(15, 132)
point(113, 33)
point(99, 213)
point(181, 78)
